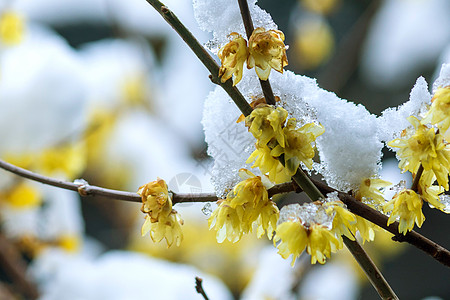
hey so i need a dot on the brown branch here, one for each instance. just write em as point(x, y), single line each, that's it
point(14, 267)
point(202, 55)
point(415, 184)
point(85, 189)
point(248, 24)
point(284, 188)
point(433, 249)
point(371, 270)
point(199, 287)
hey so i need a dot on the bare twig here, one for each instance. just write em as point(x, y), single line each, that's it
point(199, 287)
point(14, 267)
point(85, 189)
point(248, 24)
point(202, 54)
point(433, 249)
point(371, 270)
point(415, 184)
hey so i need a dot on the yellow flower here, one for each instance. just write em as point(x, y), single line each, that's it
point(365, 228)
point(161, 220)
point(426, 147)
point(439, 113)
point(226, 221)
point(247, 205)
point(266, 123)
point(429, 192)
point(267, 50)
point(369, 192)
point(22, 195)
point(294, 237)
point(344, 222)
point(264, 160)
point(11, 28)
point(155, 199)
point(406, 206)
point(298, 146)
point(167, 226)
point(233, 55)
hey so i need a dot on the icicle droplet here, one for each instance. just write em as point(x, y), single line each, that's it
point(80, 182)
point(399, 186)
point(207, 210)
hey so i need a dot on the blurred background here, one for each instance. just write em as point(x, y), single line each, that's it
point(104, 90)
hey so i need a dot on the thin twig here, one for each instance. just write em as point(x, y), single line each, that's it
point(415, 184)
point(366, 263)
point(199, 287)
point(433, 249)
point(248, 24)
point(202, 54)
point(85, 189)
point(381, 286)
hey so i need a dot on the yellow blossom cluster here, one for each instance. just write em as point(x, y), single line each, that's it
point(406, 205)
point(424, 152)
point(246, 205)
point(424, 147)
point(295, 235)
point(440, 110)
point(161, 220)
point(370, 194)
point(266, 50)
point(277, 139)
point(344, 222)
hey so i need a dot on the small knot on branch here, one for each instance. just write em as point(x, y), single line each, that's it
point(199, 287)
point(83, 187)
point(398, 238)
point(165, 10)
point(214, 79)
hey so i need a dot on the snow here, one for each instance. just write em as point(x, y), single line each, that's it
point(337, 281)
point(42, 92)
point(110, 64)
point(229, 143)
point(273, 278)
point(222, 17)
point(307, 213)
point(444, 77)
point(349, 150)
point(394, 120)
point(119, 275)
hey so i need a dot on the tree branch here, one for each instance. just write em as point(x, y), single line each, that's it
point(371, 270)
point(199, 287)
point(202, 54)
point(248, 24)
point(433, 249)
point(85, 189)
